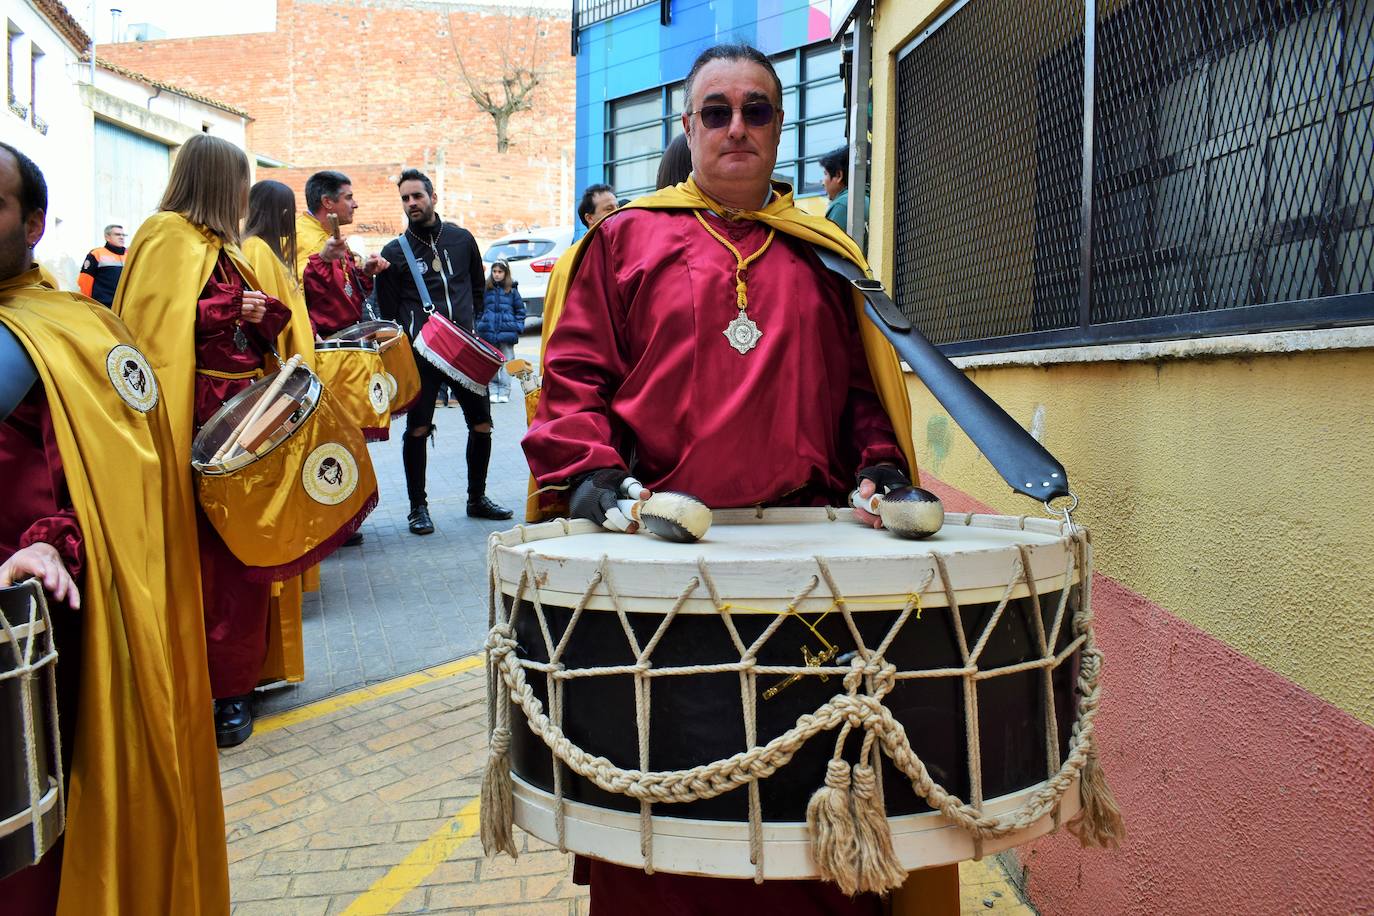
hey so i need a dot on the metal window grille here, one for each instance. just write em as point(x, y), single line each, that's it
point(590, 12)
point(1072, 173)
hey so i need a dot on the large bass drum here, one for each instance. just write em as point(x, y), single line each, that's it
point(675, 706)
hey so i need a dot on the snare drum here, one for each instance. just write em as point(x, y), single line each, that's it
point(744, 663)
point(397, 357)
point(353, 372)
point(297, 487)
point(461, 355)
point(32, 812)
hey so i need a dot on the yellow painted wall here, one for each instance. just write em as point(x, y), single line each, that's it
point(1235, 492)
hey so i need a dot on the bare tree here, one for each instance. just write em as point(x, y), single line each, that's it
point(503, 95)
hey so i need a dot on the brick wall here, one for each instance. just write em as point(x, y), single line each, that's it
point(372, 86)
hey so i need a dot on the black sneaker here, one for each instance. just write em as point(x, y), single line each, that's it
point(354, 539)
point(485, 508)
point(233, 720)
point(420, 522)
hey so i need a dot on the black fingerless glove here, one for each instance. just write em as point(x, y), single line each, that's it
point(885, 477)
point(595, 493)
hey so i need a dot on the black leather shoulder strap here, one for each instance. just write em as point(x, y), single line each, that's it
point(1023, 462)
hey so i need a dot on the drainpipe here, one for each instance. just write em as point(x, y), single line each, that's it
point(93, 2)
point(860, 97)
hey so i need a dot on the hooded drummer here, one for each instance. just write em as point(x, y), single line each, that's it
point(696, 332)
point(94, 503)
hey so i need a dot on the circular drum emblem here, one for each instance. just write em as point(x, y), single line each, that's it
point(132, 377)
point(330, 474)
point(378, 392)
point(391, 386)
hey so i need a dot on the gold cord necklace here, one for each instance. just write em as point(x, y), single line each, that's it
point(742, 333)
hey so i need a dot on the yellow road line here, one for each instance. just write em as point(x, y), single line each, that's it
point(391, 888)
point(363, 694)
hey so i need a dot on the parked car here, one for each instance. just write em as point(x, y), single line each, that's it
point(531, 256)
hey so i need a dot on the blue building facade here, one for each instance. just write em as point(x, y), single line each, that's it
point(630, 68)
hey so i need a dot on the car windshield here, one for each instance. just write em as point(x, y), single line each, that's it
point(518, 250)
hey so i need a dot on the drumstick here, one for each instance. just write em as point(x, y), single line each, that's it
point(672, 516)
point(334, 224)
point(908, 512)
point(259, 407)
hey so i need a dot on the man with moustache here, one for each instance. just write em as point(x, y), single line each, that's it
point(451, 267)
point(696, 339)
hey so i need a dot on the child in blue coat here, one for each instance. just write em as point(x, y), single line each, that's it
point(503, 318)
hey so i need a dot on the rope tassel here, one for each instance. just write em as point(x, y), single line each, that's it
point(830, 821)
point(877, 867)
point(1098, 822)
point(498, 810)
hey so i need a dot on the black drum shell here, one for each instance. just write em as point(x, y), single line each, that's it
point(696, 719)
point(17, 849)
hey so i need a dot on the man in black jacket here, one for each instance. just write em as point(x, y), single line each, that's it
point(451, 267)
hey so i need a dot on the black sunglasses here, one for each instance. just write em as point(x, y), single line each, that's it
point(755, 114)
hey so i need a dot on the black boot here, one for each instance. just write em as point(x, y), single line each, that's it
point(233, 720)
point(482, 507)
point(420, 522)
point(414, 459)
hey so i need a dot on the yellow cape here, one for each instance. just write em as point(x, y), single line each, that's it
point(285, 642)
point(299, 336)
point(785, 216)
point(145, 822)
point(165, 270)
point(310, 238)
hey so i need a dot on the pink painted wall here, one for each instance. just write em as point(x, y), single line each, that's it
point(1242, 792)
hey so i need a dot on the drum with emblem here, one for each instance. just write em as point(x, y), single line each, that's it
point(398, 358)
point(32, 812)
point(676, 706)
point(287, 484)
point(355, 375)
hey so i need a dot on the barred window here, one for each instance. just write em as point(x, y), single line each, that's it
point(1219, 156)
point(642, 125)
point(590, 12)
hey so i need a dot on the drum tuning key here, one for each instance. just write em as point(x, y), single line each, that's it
point(812, 661)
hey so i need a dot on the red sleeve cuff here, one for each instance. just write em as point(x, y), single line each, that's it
point(63, 533)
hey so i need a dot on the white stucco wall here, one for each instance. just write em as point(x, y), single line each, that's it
point(69, 104)
point(64, 153)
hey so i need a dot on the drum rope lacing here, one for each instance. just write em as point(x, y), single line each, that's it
point(26, 669)
point(851, 840)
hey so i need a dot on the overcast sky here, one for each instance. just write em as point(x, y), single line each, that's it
point(180, 18)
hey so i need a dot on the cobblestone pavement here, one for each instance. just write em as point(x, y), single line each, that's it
point(398, 603)
point(366, 803)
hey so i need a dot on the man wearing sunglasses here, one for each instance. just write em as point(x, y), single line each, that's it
point(696, 341)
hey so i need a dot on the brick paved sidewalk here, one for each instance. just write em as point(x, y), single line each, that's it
point(366, 803)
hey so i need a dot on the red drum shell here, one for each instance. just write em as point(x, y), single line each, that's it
point(459, 354)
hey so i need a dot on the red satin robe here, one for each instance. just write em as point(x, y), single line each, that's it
point(334, 294)
point(37, 508)
point(639, 365)
point(235, 608)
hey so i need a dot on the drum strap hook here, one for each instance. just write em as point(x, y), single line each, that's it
point(1064, 512)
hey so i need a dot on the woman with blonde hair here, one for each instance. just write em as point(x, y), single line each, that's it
point(195, 307)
